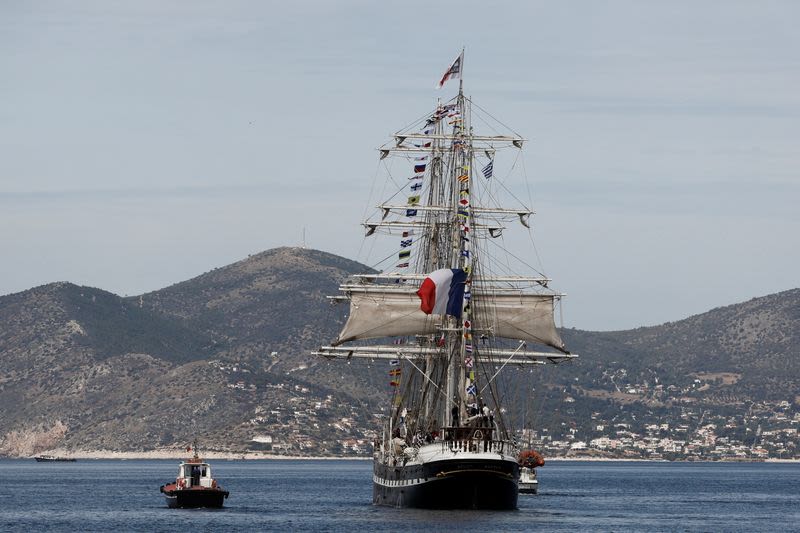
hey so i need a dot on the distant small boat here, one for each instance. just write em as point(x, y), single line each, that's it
point(529, 460)
point(528, 484)
point(53, 458)
point(194, 487)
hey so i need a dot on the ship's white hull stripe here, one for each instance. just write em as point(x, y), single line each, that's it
point(397, 483)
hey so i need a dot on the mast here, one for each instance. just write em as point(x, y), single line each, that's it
point(461, 77)
point(459, 152)
point(463, 220)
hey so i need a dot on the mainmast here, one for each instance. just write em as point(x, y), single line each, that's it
point(461, 146)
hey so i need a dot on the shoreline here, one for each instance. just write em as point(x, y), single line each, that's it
point(181, 454)
point(635, 460)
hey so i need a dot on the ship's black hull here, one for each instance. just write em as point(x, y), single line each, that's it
point(448, 484)
point(194, 498)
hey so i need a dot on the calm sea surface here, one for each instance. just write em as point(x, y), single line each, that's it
point(336, 496)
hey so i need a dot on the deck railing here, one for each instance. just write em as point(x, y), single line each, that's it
point(477, 445)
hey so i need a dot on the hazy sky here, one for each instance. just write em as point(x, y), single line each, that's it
point(144, 143)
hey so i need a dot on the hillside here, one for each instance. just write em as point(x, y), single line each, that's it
point(127, 373)
point(98, 324)
point(270, 311)
point(272, 301)
point(757, 341)
point(225, 355)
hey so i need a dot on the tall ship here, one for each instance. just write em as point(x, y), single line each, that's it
point(452, 310)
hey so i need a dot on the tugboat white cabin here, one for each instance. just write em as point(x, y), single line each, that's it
point(195, 475)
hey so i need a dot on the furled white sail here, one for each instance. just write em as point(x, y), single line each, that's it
point(385, 314)
point(395, 312)
point(521, 316)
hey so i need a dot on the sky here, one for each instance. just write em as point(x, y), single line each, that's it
point(145, 143)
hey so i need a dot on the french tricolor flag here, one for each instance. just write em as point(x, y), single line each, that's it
point(442, 292)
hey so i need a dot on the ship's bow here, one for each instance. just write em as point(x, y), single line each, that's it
point(439, 478)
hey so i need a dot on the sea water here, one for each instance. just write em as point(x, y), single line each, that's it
point(336, 495)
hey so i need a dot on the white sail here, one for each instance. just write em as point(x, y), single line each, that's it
point(377, 312)
point(527, 317)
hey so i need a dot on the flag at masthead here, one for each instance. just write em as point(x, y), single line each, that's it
point(454, 71)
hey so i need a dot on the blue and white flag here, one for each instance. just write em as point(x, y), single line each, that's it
point(454, 71)
point(487, 170)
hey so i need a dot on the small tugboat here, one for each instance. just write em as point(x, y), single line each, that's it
point(194, 486)
point(528, 461)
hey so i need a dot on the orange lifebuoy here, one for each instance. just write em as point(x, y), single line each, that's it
point(181, 482)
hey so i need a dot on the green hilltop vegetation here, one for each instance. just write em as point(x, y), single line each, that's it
point(225, 357)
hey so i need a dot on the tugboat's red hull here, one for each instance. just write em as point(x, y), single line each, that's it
point(193, 497)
